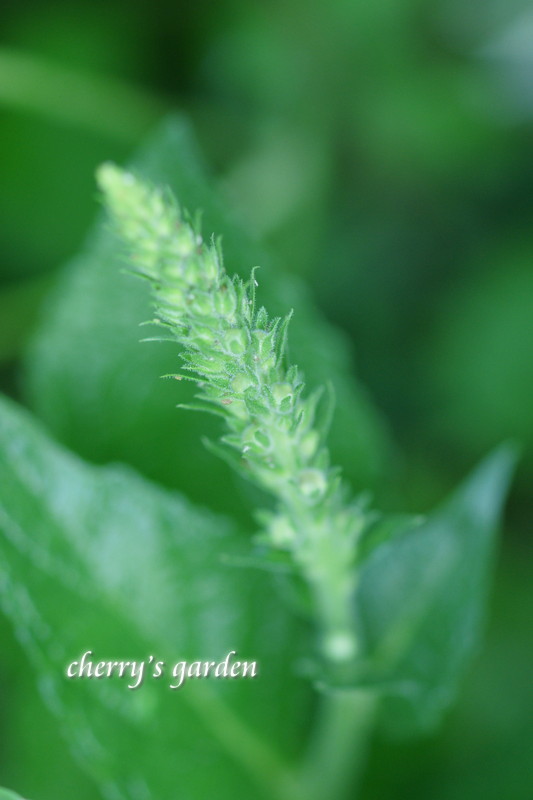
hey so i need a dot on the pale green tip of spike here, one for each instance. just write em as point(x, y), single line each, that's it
point(111, 178)
point(106, 175)
point(115, 183)
point(126, 197)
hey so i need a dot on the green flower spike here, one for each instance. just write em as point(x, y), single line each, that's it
point(237, 355)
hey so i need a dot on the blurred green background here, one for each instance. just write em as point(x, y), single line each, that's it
point(383, 151)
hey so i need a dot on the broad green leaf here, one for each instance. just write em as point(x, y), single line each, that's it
point(99, 391)
point(421, 598)
point(98, 559)
point(5, 794)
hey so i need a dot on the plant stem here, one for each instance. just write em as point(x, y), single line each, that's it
point(273, 777)
point(338, 747)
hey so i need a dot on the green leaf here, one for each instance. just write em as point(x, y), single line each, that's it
point(421, 598)
point(5, 794)
point(99, 559)
point(97, 388)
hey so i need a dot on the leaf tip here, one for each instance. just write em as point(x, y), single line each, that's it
point(487, 487)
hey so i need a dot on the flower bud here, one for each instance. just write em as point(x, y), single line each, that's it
point(238, 409)
point(201, 335)
point(208, 365)
point(268, 363)
point(259, 339)
point(308, 444)
point(281, 391)
point(191, 269)
point(281, 533)
point(202, 305)
point(262, 438)
point(173, 296)
point(312, 482)
point(225, 301)
point(256, 439)
point(236, 341)
point(184, 242)
point(210, 264)
point(240, 383)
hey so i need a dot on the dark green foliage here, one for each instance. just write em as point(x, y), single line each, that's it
point(383, 152)
point(97, 558)
point(421, 598)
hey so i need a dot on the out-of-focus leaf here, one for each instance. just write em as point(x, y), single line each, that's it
point(481, 353)
point(98, 389)
point(98, 559)
point(421, 598)
point(5, 794)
